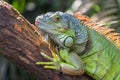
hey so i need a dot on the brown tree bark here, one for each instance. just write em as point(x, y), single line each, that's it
point(21, 43)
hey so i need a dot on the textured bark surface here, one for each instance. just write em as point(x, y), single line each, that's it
point(21, 43)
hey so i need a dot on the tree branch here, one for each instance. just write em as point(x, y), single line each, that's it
point(21, 42)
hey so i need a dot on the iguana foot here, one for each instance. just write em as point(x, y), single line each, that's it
point(54, 62)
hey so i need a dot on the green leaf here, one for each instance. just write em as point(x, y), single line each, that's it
point(19, 5)
point(96, 8)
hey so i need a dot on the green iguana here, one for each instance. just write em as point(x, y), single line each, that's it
point(83, 46)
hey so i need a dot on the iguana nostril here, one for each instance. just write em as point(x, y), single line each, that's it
point(37, 22)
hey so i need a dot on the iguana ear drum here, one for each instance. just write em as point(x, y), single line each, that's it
point(68, 41)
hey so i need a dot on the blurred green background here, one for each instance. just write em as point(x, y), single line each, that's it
point(106, 12)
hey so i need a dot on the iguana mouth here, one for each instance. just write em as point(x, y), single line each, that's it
point(43, 26)
point(37, 21)
point(49, 28)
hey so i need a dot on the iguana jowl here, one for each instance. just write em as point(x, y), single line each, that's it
point(84, 46)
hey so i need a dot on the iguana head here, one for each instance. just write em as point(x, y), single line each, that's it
point(53, 23)
point(61, 24)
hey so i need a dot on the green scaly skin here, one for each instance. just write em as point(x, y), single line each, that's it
point(101, 60)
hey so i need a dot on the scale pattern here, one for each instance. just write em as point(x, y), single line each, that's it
point(102, 29)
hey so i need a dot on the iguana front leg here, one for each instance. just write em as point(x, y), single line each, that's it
point(68, 63)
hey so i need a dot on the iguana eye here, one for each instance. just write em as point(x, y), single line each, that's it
point(57, 18)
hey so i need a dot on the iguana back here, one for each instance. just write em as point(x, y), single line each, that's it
point(102, 60)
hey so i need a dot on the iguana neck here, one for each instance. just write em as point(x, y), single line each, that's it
point(107, 32)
